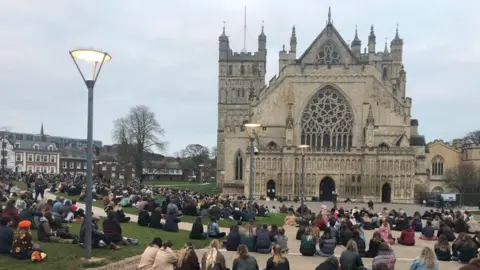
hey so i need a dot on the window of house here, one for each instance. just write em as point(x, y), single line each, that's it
point(242, 70)
point(104, 168)
point(53, 159)
point(45, 158)
point(36, 147)
point(238, 166)
point(38, 158)
point(19, 137)
point(30, 168)
point(64, 164)
point(79, 165)
point(38, 169)
point(18, 157)
point(30, 157)
point(121, 176)
point(29, 137)
point(72, 165)
point(17, 145)
point(52, 169)
point(114, 168)
point(45, 169)
point(50, 148)
point(84, 165)
point(113, 175)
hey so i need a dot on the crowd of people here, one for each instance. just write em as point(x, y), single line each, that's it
point(455, 234)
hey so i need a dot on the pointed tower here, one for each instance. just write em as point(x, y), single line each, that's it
point(293, 41)
point(356, 44)
point(385, 50)
point(402, 81)
point(223, 45)
point(371, 41)
point(41, 130)
point(42, 134)
point(370, 128)
point(262, 42)
point(396, 47)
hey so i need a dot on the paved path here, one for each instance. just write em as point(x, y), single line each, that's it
point(404, 254)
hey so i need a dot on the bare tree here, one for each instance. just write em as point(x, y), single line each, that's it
point(141, 129)
point(464, 178)
point(473, 136)
point(194, 157)
point(213, 152)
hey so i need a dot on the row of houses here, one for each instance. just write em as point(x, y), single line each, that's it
point(46, 157)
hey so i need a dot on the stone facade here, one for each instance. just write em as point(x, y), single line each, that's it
point(349, 106)
point(443, 156)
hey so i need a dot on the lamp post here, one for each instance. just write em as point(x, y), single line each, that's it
point(302, 148)
point(96, 59)
point(250, 128)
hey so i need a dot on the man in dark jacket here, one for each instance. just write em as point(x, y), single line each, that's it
point(29, 214)
point(40, 186)
point(263, 243)
point(171, 223)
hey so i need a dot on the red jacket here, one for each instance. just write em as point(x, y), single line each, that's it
point(408, 236)
point(320, 224)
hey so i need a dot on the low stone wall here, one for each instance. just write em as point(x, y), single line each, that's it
point(127, 264)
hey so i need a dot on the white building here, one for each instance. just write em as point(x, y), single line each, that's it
point(7, 154)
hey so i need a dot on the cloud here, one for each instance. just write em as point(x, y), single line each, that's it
point(165, 56)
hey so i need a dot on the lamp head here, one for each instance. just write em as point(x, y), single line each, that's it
point(91, 61)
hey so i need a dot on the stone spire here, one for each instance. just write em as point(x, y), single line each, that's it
point(397, 40)
point(41, 129)
point(329, 22)
point(293, 40)
point(385, 51)
point(356, 41)
point(371, 40)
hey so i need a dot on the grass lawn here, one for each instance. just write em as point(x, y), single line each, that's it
point(208, 188)
point(67, 256)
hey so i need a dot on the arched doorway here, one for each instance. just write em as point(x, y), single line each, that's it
point(271, 189)
point(438, 190)
point(327, 186)
point(386, 193)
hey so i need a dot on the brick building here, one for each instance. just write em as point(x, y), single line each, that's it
point(73, 161)
point(36, 156)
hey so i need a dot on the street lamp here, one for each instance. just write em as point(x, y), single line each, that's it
point(95, 59)
point(250, 129)
point(302, 148)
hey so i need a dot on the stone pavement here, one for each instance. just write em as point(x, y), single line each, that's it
point(404, 254)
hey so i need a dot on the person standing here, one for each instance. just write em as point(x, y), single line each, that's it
point(39, 187)
point(334, 198)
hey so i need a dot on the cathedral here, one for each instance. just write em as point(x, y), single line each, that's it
point(348, 104)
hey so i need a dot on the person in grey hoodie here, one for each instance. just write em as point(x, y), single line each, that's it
point(244, 260)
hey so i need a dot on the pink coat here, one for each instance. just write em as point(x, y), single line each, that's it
point(384, 233)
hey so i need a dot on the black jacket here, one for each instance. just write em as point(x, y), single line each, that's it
point(283, 264)
point(143, 218)
point(29, 214)
point(197, 231)
point(155, 219)
point(6, 239)
point(326, 266)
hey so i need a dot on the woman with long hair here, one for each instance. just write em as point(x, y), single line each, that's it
point(197, 231)
point(386, 232)
point(165, 258)
point(244, 261)
point(426, 261)
point(213, 259)
point(277, 261)
point(148, 257)
point(442, 249)
point(350, 259)
point(187, 258)
point(308, 243)
point(247, 238)
point(385, 260)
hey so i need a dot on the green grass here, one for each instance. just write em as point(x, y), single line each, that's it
point(210, 188)
point(67, 256)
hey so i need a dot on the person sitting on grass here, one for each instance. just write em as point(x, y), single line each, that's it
point(171, 222)
point(148, 256)
point(187, 258)
point(213, 229)
point(197, 232)
point(10, 212)
point(98, 238)
point(46, 234)
point(30, 213)
point(442, 249)
point(112, 230)
point(165, 259)
point(143, 218)
point(156, 219)
point(407, 237)
point(23, 247)
point(428, 232)
point(6, 235)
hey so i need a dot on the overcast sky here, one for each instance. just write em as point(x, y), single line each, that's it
point(165, 56)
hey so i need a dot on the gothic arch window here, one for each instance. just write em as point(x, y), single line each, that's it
point(437, 166)
point(383, 146)
point(327, 121)
point(230, 70)
point(328, 54)
point(242, 70)
point(272, 146)
point(238, 166)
